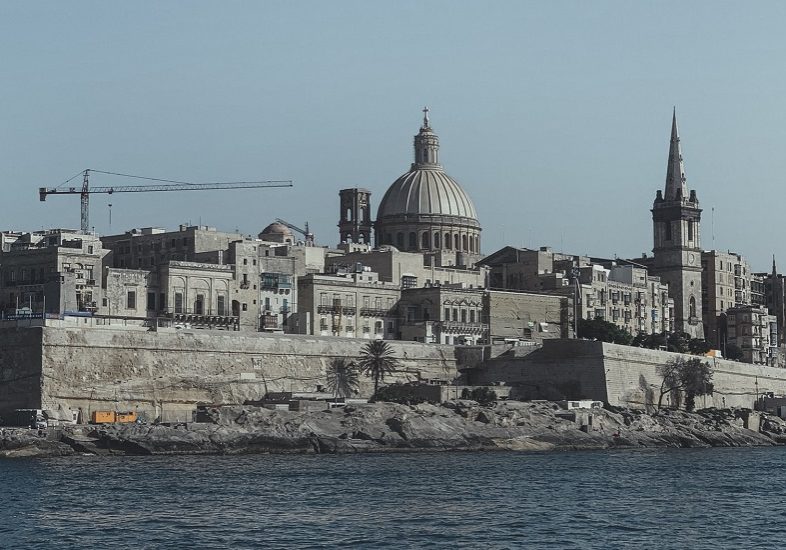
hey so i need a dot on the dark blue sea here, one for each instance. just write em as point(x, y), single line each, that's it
point(709, 498)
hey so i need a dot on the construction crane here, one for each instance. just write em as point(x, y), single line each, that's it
point(307, 235)
point(163, 185)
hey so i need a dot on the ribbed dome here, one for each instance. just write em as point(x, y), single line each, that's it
point(426, 192)
point(275, 229)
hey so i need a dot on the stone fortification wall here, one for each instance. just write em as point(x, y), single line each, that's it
point(164, 374)
point(20, 369)
point(558, 369)
point(620, 375)
point(632, 378)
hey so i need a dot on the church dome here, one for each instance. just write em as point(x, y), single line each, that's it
point(426, 192)
point(276, 232)
point(425, 210)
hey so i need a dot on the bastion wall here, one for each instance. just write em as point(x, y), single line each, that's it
point(165, 374)
point(620, 375)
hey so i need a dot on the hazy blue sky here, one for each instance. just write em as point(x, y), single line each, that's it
point(554, 116)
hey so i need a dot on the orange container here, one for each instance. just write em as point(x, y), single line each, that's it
point(125, 416)
point(102, 417)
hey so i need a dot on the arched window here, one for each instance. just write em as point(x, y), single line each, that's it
point(424, 244)
point(400, 240)
point(456, 242)
point(436, 240)
point(413, 241)
point(448, 241)
point(692, 306)
point(361, 238)
point(349, 215)
point(464, 242)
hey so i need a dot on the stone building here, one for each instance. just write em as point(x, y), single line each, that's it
point(352, 305)
point(427, 211)
point(444, 314)
point(203, 278)
point(618, 291)
point(773, 296)
point(754, 331)
point(677, 244)
point(515, 316)
point(55, 271)
point(726, 282)
point(407, 268)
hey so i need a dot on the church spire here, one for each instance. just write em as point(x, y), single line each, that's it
point(676, 188)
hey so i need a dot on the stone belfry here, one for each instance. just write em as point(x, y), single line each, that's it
point(355, 223)
point(677, 249)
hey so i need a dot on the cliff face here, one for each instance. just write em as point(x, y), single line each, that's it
point(388, 427)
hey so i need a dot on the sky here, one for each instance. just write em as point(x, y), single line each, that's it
point(553, 116)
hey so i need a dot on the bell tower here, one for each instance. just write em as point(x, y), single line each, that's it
point(355, 222)
point(677, 249)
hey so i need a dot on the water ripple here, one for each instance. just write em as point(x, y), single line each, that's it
point(668, 499)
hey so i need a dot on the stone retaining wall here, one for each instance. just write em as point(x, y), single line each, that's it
point(165, 374)
point(620, 375)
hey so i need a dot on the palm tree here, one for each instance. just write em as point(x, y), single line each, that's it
point(342, 377)
point(376, 360)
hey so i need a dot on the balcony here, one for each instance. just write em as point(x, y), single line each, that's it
point(268, 322)
point(374, 312)
point(337, 310)
point(458, 326)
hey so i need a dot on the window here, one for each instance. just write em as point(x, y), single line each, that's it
point(409, 281)
point(472, 316)
point(245, 306)
point(221, 304)
point(424, 242)
point(447, 314)
point(199, 304)
point(178, 302)
point(131, 299)
point(245, 261)
point(151, 301)
point(455, 314)
point(413, 241)
point(463, 315)
point(89, 249)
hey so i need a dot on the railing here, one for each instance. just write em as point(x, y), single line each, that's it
point(342, 310)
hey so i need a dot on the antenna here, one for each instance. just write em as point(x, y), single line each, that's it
point(713, 228)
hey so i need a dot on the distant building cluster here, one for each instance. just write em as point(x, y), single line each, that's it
point(416, 272)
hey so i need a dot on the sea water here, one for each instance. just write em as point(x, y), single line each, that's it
point(665, 498)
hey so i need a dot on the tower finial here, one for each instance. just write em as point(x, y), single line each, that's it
point(425, 117)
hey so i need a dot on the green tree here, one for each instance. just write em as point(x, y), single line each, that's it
point(377, 361)
point(698, 346)
point(693, 377)
point(733, 351)
point(484, 396)
point(342, 377)
point(600, 329)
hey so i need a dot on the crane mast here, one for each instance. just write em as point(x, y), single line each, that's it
point(163, 185)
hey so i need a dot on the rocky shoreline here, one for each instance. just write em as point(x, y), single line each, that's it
point(459, 425)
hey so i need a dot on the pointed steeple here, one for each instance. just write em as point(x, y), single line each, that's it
point(774, 269)
point(426, 146)
point(676, 187)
